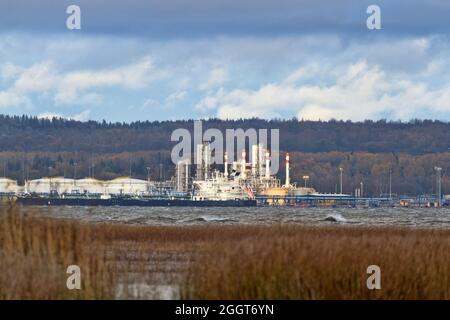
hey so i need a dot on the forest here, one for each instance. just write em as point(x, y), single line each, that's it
point(369, 151)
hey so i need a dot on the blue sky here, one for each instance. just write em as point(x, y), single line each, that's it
point(177, 59)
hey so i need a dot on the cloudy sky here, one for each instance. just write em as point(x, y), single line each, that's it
point(177, 59)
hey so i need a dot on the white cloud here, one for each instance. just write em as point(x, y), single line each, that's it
point(49, 115)
point(307, 72)
point(149, 103)
point(170, 101)
point(133, 76)
point(38, 78)
point(210, 102)
point(69, 97)
point(217, 77)
point(70, 88)
point(176, 97)
point(272, 76)
point(82, 116)
point(9, 71)
point(360, 92)
point(12, 99)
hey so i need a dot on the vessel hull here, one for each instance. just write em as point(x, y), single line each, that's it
point(134, 202)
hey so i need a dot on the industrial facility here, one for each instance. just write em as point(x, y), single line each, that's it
point(237, 180)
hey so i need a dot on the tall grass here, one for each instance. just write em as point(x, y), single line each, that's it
point(35, 254)
point(218, 261)
point(298, 262)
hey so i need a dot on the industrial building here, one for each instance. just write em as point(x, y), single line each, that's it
point(238, 179)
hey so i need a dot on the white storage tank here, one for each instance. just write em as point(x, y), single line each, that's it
point(63, 185)
point(90, 186)
point(8, 186)
point(39, 186)
point(126, 186)
point(47, 185)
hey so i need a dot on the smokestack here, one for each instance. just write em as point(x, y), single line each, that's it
point(244, 155)
point(267, 164)
point(235, 166)
point(225, 165)
point(254, 159)
point(288, 182)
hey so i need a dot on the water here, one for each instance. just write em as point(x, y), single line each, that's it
point(179, 216)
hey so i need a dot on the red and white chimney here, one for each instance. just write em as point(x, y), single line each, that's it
point(288, 181)
point(243, 164)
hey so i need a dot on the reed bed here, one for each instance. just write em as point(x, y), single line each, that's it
point(298, 262)
point(218, 261)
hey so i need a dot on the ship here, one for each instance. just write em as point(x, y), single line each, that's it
point(130, 202)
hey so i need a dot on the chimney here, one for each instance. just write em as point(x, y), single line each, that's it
point(267, 164)
point(288, 182)
point(254, 157)
point(244, 155)
point(225, 165)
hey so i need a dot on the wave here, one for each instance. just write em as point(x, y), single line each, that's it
point(335, 217)
point(207, 219)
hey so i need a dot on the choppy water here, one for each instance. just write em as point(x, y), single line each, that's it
point(435, 218)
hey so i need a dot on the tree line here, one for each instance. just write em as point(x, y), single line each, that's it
point(372, 152)
point(24, 133)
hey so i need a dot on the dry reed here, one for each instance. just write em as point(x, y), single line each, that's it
point(218, 261)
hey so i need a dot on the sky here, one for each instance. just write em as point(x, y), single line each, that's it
point(191, 59)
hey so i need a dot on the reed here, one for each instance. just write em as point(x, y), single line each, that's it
point(298, 262)
point(217, 261)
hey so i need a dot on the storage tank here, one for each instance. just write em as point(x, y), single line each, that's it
point(39, 186)
point(8, 186)
point(275, 195)
point(63, 185)
point(301, 191)
point(126, 186)
point(90, 186)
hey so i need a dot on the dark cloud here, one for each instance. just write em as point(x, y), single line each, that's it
point(203, 18)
